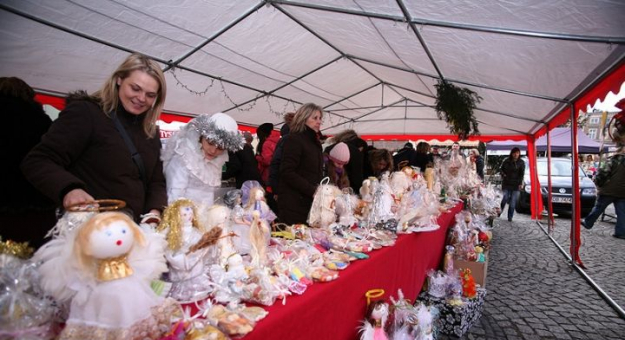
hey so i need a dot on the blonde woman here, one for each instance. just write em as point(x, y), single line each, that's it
point(84, 155)
point(301, 167)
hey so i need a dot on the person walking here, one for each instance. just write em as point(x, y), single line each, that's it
point(610, 183)
point(512, 172)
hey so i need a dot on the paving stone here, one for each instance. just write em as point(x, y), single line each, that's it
point(535, 293)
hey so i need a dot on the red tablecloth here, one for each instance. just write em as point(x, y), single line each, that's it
point(334, 310)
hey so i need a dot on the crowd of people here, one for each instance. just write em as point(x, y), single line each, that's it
point(105, 145)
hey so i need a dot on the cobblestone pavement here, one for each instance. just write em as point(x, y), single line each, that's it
point(533, 292)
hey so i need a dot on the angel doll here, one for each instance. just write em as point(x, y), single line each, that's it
point(373, 327)
point(103, 270)
point(256, 202)
point(187, 261)
point(346, 204)
point(239, 224)
point(323, 210)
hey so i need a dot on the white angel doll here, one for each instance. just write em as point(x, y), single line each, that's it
point(256, 202)
point(383, 202)
point(374, 326)
point(258, 230)
point(239, 224)
point(323, 210)
point(400, 186)
point(188, 269)
point(103, 270)
point(346, 204)
point(217, 219)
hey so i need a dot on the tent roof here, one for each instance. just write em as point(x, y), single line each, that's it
point(560, 142)
point(372, 64)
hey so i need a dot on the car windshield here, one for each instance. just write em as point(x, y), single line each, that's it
point(558, 169)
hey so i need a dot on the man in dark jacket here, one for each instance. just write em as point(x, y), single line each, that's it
point(610, 183)
point(403, 155)
point(242, 164)
point(512, 172)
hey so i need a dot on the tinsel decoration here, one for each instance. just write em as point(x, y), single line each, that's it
point(227, 140)
point(18, 249)
point(456, 105)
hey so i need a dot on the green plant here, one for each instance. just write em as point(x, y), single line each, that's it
point(456, 105)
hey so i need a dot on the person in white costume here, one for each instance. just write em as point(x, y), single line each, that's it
point(194, 156)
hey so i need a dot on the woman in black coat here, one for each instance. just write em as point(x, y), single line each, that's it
point(301, 167)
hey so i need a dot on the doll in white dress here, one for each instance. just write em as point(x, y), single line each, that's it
point(240, 225)
point(103, 270)
point(188, 269)
point(194, 156)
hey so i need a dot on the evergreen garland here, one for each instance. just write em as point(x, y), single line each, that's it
point(456, 105)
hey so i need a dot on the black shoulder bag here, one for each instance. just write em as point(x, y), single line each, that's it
point(136, 157)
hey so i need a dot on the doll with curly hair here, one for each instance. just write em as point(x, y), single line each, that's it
point(186, 260)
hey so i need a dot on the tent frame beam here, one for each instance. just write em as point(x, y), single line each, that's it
point(493, 88)
point(406, 13)
point(214, 36)
point(469, 27)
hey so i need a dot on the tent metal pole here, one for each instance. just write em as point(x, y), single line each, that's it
point(391, 85)
point(404, 10)
point(352, 95)
point(575, 194)
point(375, 107)
point(308, 29)
point(214, 36)
point(73, 32)
point(271, 93)
point(493, 88)
point(510, 115)
point(586, 277)
point(395, 119)
point(513, 130)
point(366, 114)
point(557, 110)
point(445, 24)
point(550, 223)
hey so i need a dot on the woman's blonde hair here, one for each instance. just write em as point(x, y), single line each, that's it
point(82, 249)
point(109, 93)
point(301, 116)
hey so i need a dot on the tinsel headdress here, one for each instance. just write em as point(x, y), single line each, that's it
point(219, 129)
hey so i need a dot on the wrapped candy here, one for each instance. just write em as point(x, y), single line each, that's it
point(24, 311)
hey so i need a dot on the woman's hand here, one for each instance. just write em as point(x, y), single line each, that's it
point(76, 196)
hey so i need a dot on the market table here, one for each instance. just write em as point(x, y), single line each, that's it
point(334, 310)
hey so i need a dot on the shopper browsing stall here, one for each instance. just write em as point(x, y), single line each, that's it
point(301, 167)
point(194, 157)
point(106, 145)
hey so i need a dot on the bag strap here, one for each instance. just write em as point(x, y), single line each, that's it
point(136, 156)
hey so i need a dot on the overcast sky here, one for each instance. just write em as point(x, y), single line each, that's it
point(610, 100)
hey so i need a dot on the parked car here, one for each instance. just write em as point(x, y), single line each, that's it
point(561, 183)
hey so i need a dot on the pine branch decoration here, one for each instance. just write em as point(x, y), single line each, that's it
point(456, 105)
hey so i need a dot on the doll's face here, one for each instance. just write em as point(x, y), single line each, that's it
point(259, 195)
point(113, 240)
point(186, 215)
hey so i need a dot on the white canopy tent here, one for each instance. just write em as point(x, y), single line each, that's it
point(372, 64)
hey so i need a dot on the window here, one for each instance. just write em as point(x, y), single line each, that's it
point(592, 133)
point(594, 120)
